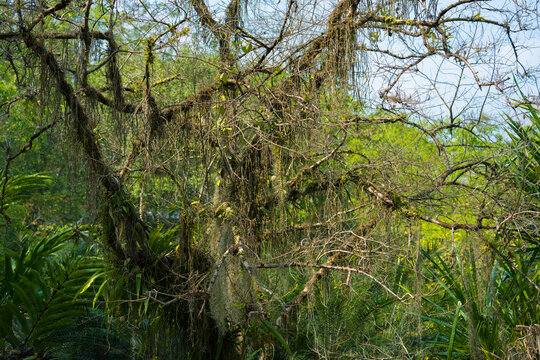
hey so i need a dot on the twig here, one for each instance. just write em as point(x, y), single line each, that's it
point(328, 266)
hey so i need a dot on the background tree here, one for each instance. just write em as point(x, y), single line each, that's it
point(239, 166)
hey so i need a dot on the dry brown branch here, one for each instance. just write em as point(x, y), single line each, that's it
point(327, 266)
point(307, 290)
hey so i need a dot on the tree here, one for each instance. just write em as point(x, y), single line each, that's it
point(250, 126)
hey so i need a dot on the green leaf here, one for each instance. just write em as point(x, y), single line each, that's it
point(52, 318)
point(221, 109)
point(20, 317)
point(138, 283)
point(29, 307)
point(8, 270)
point(89, 282)
point(97, 294)
point(146, 304)
point(453, 333)
point(45, 288)
point(6, 326)
point(247, 48)
point(277, 336)
point(50, 327)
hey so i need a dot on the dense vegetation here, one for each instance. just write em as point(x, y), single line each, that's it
point(258, 180)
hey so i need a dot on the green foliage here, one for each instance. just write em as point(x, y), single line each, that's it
point(46, 281)
point(269, 165)
point(40, 291)
point(518, 284)
point(526, 143)
point(93, 337)
point(41, 287)
point(21, 187)
point(468, 313)
point(347, 321)
point(462, 310)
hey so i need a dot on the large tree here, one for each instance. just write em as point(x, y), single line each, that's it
point(302, 137)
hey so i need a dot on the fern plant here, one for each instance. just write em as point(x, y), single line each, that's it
point(43, 292)
point(44, 283)
point(20, 187)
